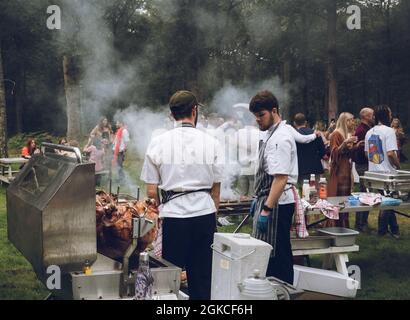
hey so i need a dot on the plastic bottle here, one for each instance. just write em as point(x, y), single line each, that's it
point(306, 190)
point(144, 280)
point(323, 189)
point(312, 181)
point(313, 194)
point(87, 268)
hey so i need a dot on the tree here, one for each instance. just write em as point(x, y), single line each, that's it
point(3, 113)
point(73, 94)
point(332, 104)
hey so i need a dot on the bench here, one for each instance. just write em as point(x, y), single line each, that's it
point(7, 172)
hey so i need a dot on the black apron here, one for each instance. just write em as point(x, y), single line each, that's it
point(263, 184)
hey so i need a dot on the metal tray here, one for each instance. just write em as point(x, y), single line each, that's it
point(399, 175)
point(312, 242)
point(342, 237)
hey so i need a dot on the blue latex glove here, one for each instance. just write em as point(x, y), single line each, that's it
point(253, 208)
point(262, 224)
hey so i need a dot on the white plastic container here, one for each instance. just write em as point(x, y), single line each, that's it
point(235, 257)
point(325, 281)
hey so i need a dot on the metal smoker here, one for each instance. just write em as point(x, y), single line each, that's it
point(52, 222)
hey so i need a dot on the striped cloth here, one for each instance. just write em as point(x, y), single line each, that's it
point(299, 222)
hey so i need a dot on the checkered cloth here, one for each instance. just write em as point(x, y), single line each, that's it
point(158, 241)
point(299, 222)
point(330, 211)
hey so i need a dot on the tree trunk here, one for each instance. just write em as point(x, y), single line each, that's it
point(286, 85)
point(3, 113)
point(304, 67)
point(331, 59)
point(388, 56)
point(72, 93)
point(19, 97)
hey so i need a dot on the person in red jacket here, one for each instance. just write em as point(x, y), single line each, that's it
point(29, 149)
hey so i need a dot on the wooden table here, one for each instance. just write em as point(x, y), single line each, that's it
point(6, 168)
point(333, 256)
point(343, 203)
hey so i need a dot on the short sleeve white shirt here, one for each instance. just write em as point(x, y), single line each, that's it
point(184, 159)
point(378, 142)
point(282, 159)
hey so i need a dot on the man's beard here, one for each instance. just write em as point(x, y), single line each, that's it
point(271, 123)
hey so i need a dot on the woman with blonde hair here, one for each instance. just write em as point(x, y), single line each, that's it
point(342, 145)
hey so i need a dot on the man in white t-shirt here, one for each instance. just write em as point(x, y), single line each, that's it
point(186, 164)
point(381, 149)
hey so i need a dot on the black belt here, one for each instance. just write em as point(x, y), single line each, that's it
point(167, 196)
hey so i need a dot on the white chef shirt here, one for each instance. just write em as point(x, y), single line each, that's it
point(378, 159)
point(184, 159)
point(301, 138)
point(248, 142)
point(281, 158)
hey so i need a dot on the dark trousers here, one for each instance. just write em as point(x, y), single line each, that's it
point(120, 163)
point(361, 217)
point(281, 266)
point(187, 244)
point(388, 218)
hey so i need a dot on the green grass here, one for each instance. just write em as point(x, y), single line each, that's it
point(384, 262)
point(17, 279)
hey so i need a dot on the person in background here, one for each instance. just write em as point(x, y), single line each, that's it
point(96, 151)
point(381, 149)
point(103, 131)
point(331, 128)
point(30, 149)
point(362, 164)
point(342, 144)
point(248, 140)
point(309, 155)
point(62, 142)
point(121, 140)
point(401, 138)
point(321, 127)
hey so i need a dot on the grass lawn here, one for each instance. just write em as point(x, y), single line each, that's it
point(384, 262)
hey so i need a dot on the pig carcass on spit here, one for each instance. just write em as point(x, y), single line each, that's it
point(114, 224)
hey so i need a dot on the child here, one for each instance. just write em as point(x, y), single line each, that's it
point(96, 151)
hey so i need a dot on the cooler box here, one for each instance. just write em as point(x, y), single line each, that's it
point(325, 281)
point(235, 257)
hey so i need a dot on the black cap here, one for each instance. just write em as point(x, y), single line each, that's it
point(182, 100)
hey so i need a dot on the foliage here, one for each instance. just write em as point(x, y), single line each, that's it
point(152, 48)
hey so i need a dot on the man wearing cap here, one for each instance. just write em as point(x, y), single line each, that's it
point(275, 181)
point(185, 163)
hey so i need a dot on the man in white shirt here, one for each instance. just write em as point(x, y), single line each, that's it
point(381, 149)
point(121, 140)
point(275, 182)
point(186, 164)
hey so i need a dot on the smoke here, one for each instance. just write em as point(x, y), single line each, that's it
point(230, 95)
point(106, 77)
point(143, 124)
